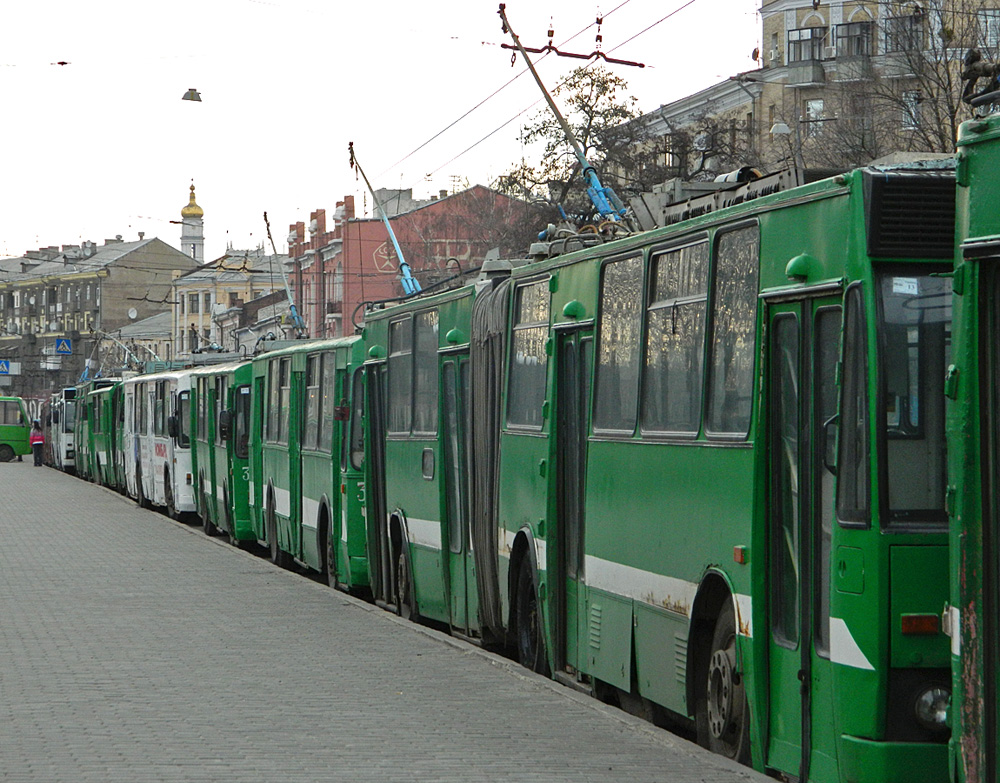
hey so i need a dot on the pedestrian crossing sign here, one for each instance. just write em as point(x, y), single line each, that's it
point(64, 346)
point(5, 367)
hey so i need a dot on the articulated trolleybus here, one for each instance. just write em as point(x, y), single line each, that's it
point(973, 390)
point(700, 471)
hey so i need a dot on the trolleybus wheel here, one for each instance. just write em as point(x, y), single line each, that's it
point(723, 714)
point(405, 606)
point(168, 496)
point(141, 496)
point(206, 515)
point(278, 556)
point(332, 578)
point(530, 647)
point(6, 453)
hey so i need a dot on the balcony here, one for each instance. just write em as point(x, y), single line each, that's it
point(806, 73)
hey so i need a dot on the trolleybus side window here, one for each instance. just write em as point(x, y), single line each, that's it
point(221, 384)
point(528, 359)
point(184, 419)
point(242, 422)
point(357, 424)
point(784, 428)
point(159, 408)
point(617, 386)
point(310, 439)
point(732, 339)
point(915, 345)
point(400, 370)
point(95, 424)
point(284, 398)
point(854, 449)
point(425, 373)
point(202, 390)
point(675, 341)
point(273, 397)
point(327, 401)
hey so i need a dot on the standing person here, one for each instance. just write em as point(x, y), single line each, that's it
point(37, 440)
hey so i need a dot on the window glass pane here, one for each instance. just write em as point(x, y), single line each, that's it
point(310, 438)
point(785, 499)
point(733, 339)
point(158, 408)
point(328, 395)
point(184, 419)
point(221, 388)
point(528, 359)
point(616, 394)
point(357, 425)
point(826, 354)
point(854, 448)
point(273, 402)
point(400, 369)
point(425, 382)
point(242, 422)
point(915, 346)
point(675, 340)
point(284, 399)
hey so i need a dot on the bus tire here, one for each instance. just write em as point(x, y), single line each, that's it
point(168, 496)
point(206, 511)
point(140, 495)
point(332, 576)
point(278, 555)
point(530, 645)
point(406, 606)
point(6, 453)
point(722, 714)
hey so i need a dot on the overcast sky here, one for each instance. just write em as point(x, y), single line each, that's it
point(104, 145)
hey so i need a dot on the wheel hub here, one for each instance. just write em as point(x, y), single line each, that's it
point(720, 693)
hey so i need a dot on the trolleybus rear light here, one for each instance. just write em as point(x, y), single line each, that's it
point(920, 624)
point(740, 554)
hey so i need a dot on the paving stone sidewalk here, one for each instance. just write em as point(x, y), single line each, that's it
point(134, 648)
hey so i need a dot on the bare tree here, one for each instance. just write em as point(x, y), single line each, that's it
point(601, 113)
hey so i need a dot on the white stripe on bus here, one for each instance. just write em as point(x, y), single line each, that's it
point(843, 647)
point(424, 532)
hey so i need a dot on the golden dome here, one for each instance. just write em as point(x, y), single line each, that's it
point(192, 210)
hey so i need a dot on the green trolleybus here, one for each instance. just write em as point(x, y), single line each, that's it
point(703, 473)
point(220, 427)
point(14, 428)
point(973, 390)
point(307, 451)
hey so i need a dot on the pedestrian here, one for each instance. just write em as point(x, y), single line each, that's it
point(37, 440)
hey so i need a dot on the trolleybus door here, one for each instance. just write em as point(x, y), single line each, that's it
point(379, 551)
point(574, 370)
point(457, 427)
point(804, 339)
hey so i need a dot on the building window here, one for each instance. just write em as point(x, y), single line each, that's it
point(192, 304)
point(854, 39)
point(903, 33)
point(208, 303)
point(806, 44)
point(911, 109)
point(989, 29)
point(813, 113)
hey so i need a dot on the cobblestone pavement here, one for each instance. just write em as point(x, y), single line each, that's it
point(134, 648)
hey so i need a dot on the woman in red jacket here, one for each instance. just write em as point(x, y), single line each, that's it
point(37, 440)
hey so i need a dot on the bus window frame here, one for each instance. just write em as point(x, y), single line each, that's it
point(515, 326)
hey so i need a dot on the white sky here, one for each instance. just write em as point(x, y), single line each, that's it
point(105, 146)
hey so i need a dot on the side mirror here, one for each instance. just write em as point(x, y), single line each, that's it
point(831, 433)
point(225, 424)
point(173, 427)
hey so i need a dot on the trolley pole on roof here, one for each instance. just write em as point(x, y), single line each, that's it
point(300, 325)
point(410, 284)
point(605, 200)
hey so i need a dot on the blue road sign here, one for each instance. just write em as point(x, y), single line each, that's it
point(5, 367)
point(64, 346)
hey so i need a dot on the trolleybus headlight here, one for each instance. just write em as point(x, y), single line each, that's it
point(932, 708)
